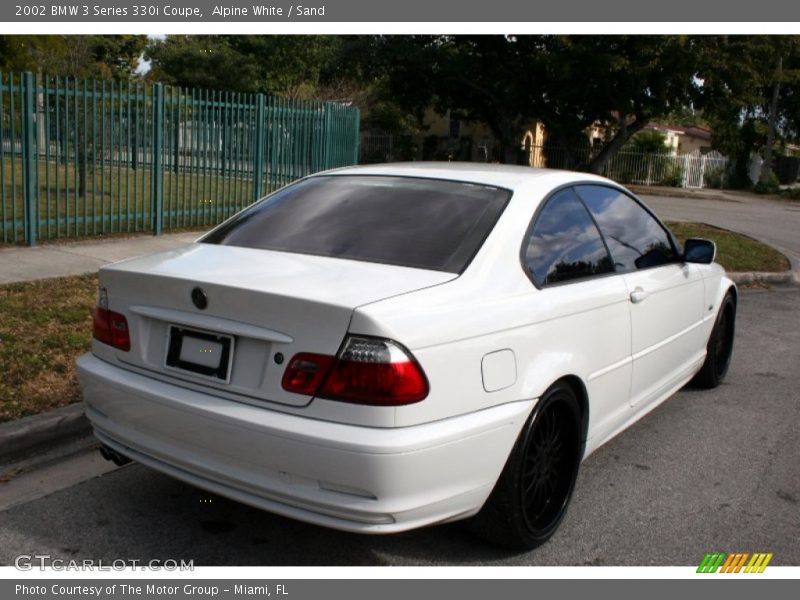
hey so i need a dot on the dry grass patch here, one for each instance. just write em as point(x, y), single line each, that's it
point(44, 326)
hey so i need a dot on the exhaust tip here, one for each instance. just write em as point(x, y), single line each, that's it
point(114, 456)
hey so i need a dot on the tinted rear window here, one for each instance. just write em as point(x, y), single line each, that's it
point(425, 223)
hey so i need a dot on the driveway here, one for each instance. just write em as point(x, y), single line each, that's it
point(773, 222)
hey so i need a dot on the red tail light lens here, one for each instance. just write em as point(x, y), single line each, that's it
point(367, 371)
point(305, 373)
point(111, 328)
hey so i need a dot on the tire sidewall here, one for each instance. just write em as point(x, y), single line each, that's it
point(558, 394)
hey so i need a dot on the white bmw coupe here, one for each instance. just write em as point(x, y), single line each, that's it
point(385, 347)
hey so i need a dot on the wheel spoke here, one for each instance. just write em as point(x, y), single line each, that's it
point(549, 464)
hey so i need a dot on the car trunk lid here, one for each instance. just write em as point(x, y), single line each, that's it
point(261, 308)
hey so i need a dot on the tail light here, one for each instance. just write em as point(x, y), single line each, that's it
point(306, 372)
point(108, 326)
point(370, 371)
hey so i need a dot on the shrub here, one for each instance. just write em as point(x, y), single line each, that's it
point(771, 187)
point(715, 178)
point(673, 177)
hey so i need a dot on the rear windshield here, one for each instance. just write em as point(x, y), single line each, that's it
point(413, 222)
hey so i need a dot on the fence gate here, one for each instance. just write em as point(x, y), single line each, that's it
point(704, 170)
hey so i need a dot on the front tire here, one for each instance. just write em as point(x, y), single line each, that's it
point(531, 496)
point(720, 346)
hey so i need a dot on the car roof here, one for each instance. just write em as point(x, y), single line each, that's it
point(504, 176)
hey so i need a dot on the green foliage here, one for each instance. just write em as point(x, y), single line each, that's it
point(201, 61)
point(648, 142)
point(287, 65)
point(102, 56)
point(772, 186)
point(567, 82)
point(739, 79)
point(715, 178)
point(673, 175)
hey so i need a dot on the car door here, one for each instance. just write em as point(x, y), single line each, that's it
point(666, 295)
point(582, 306)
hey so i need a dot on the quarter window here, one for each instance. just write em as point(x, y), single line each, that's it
point(565, 243)
point(635, 238)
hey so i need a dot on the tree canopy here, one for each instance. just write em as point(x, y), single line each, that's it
point(747, 88)
point(290, 65)
point(106, 56)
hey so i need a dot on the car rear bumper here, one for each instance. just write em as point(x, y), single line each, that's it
point(354, 478)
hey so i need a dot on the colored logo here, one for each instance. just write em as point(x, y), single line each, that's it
point(734, 563)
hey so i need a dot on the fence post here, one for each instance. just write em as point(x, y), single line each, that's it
point(326, 132)
point(258, 155)
point(157, 176)
point(357, 134)
point(29, 158)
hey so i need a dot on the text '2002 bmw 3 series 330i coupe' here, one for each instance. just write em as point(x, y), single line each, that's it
point(380, 348)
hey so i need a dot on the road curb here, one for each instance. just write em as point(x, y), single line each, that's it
point(29, 434)
point(746, 278)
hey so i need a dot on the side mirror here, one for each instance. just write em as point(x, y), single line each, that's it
point(699, 251)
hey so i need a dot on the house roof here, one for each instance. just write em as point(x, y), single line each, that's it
point(703, 133)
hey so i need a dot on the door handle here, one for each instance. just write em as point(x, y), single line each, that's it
point(638, 295)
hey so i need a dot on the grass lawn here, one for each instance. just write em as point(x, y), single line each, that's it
point(45, 325)
point(118, 200)
point(734, 252)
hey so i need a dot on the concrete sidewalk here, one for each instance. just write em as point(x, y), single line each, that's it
point(76, 258)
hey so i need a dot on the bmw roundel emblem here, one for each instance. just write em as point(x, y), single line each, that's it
point(199, 298)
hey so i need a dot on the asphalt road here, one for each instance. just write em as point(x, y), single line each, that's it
point(772, 221)
point(706, 471)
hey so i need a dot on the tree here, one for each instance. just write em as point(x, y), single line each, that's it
point(623, 82)
point(99, 56)
point(567, 82)
point(749, 93)
point(201, 61)
point(648, 142)
point(291, 65)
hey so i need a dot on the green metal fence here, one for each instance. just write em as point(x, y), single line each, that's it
point(84, 157)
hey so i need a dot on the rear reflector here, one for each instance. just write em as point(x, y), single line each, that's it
point(111, 328)
point(370, 371)
point(305, 372)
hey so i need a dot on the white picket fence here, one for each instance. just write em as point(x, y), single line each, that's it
point(692, 170)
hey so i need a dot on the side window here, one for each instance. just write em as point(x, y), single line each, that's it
point(634, 237)
point(564, 243)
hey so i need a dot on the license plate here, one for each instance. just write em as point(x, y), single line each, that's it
point(200, 352)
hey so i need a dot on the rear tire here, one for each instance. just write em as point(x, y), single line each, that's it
point(532, 494)
point(720, 347)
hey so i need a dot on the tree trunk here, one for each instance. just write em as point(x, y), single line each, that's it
point(766, 167)
point(598, 163)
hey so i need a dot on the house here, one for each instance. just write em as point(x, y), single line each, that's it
point(678, 139)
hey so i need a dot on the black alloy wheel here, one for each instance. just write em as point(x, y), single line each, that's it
point(531, 496)
point(720, 347)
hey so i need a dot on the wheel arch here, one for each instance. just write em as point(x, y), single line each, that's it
point(579, 389)
point(734, 292)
